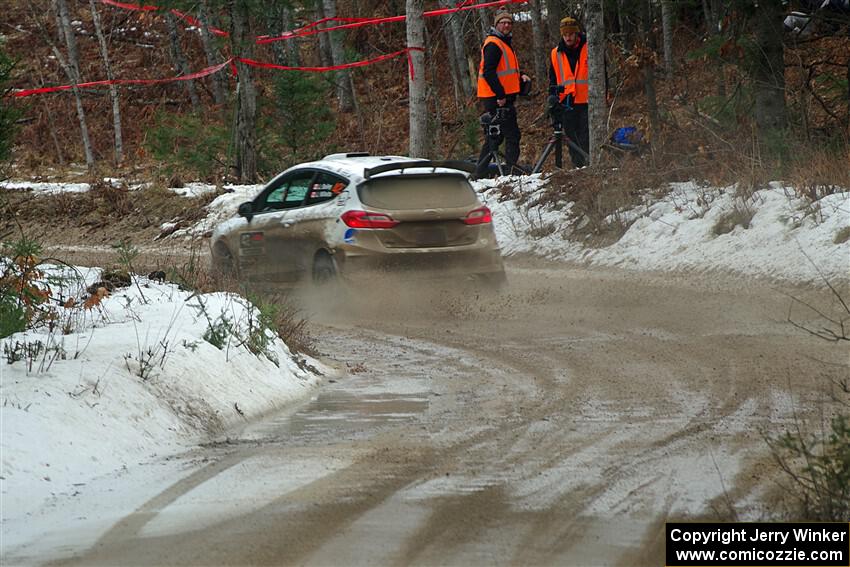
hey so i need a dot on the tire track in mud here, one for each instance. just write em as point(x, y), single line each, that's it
point(325, 493)
point(692, 431)
point(557, 438)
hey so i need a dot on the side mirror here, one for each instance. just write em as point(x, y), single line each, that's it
point(246, 210)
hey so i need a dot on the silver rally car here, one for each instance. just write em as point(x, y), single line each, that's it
point(351, 215)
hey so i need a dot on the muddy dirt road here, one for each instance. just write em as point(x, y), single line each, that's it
point(560, 423)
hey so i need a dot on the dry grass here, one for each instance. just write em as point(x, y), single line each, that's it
point(816, 172)
point(740, 215)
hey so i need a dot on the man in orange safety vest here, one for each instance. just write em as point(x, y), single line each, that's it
point(568, 80)
point(499, 83)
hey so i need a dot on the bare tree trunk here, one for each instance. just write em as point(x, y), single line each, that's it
point(553, 21)
point(453, 63)
point(435, 135)
point(541, 67)
point(710, 28)
point(483, 25)
point(52, 126)
point(324, 41)
point(417, 102)
point(279, 21)
point(767, 70)
point(274, 25)
point(72, 69)
point(218, 84)
point(113, 89)
point(596, 78)
point(179, 60)
point(667, 31)
point(626, 23)
point(649, 68)
point(457, 51)
point(246, 96)
point(293, 53)
point(342, 79)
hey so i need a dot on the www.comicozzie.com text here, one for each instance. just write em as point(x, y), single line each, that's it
point(745, 534)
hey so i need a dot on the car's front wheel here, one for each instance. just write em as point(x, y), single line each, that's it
point(223, 262)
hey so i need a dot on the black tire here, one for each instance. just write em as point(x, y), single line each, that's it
point(324, 269)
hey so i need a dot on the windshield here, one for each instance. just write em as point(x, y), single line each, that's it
point(427, 192)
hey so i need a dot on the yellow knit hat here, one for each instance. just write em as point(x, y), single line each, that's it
point(569, 25)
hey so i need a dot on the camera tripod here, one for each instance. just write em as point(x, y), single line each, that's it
point(556, 144)
point(492, 125)
point(558, 139)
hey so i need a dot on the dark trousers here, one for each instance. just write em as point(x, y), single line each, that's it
point(509, 133)
point(576, 129)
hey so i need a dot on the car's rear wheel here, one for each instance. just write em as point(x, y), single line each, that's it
point(324, 269)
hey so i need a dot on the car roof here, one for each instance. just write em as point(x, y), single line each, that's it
point(357, 164)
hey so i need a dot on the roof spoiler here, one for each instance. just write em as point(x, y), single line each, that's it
point(402, 165)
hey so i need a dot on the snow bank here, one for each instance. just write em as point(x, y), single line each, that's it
point(133, 379)
point(689, 229)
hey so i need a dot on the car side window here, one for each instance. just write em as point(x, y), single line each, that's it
point(325, 187)
point(297, 191)
point(289, 194)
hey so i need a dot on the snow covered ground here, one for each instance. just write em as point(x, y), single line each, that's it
point(148, 372)
point(137, 377)
point(788, 238)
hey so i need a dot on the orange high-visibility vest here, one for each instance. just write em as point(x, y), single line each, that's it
point(507, 70)
point(573, 81)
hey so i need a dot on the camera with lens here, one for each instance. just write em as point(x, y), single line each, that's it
point(556, 111)
point(492, 122)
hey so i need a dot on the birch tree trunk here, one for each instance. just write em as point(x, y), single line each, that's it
point(417, 108)
point(113, 89)
point(667, 31)
point(342, 79)
point(596, 78)
point(180, 62)
point(541, 48)
point(218, 84)
point(72, 69)
point(245, 130)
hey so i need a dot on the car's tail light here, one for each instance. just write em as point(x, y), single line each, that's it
point(363, 219)
point(479, 216)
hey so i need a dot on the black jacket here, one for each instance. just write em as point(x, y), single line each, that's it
point(492, 55)
point(572, 56)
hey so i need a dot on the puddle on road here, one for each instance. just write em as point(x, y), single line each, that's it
point(349, 409)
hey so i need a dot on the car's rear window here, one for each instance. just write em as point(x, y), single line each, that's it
point(409, 192)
